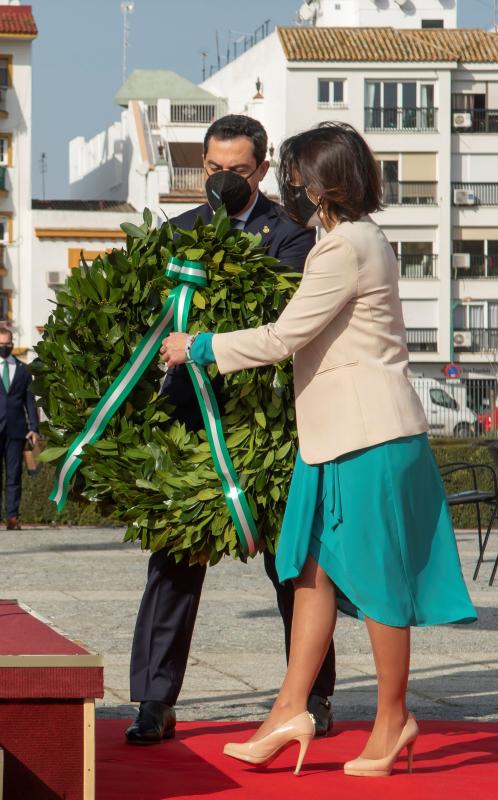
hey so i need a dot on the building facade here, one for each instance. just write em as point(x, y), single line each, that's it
point(17, 32)
point(152, 156)
point(426, 100)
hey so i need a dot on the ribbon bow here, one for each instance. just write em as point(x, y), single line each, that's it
point(173, 315)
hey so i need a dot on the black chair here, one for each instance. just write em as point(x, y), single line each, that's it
point(475, 496)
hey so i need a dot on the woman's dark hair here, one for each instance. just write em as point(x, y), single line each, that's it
point(336, 163)
point(234, 125)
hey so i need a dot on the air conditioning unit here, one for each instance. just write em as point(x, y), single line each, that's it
point(463, 197)
point(462, 339)
point(462, 119)
point(56, 277)
point(460, 260)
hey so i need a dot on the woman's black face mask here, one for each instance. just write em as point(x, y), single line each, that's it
point(226, 188)
point(299, 207)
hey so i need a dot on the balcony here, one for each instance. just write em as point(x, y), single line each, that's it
point(417, 267)
point(196, 113)
point(475, 340)
point(421, 340)
point(475, 194)
point(410, 193)
point(187, 179)
point(401, 119)
point(4, 306)
point(478, 120)
point(481, 266)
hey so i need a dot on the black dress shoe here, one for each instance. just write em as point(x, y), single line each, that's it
point(155, 722)
point(321, 711)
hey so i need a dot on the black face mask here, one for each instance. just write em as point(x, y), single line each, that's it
point(226, 188)
point(299, 207)
point(5, 350)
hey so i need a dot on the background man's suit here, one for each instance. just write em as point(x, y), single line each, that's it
point(17, 415)
point(168, 610)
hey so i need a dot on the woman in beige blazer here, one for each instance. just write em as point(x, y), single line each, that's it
point(366, 527)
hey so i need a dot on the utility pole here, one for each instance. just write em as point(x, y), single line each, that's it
point(43, 170)
point(204, 57)
point(126, 10)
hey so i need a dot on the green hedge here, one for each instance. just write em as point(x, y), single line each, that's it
point(36, 508)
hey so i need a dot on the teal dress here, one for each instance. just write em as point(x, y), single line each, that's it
point(376, 520)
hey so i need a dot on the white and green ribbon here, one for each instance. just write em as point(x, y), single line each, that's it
point(173, 315)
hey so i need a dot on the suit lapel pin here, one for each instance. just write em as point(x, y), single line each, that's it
point(266, 229)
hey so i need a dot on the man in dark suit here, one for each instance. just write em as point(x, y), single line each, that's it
point(18, 422)
point(235, 163)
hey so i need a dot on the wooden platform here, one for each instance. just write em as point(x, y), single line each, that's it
point(48, 686)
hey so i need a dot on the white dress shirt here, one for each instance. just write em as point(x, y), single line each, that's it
point(12, 367)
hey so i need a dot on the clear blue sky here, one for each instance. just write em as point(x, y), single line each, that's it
point(77, 59)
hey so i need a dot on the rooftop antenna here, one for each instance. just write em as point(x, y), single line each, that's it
point(126, 10)
point(43, 169)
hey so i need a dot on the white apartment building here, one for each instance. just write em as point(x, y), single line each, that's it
point(17, 32)
point(426, 99)
point(152, 156)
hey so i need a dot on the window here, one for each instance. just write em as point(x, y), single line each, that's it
point(441, 398)
point(4, 230)
point(432, 23)
point(331, 92)
point(416, 259)
point(4, 71)
point(152, 116)
point(4, 152)
point(399, 105)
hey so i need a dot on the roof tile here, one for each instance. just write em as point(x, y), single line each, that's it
point(388, 44)
point(17, 20)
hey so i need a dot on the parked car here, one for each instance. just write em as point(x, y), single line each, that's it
point(446, 417)
point(485, 420)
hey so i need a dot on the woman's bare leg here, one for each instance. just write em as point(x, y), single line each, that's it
point(313, 623)
point(391, 651)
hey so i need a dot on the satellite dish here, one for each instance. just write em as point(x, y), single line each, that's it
point(143, 167)
point(307, 10)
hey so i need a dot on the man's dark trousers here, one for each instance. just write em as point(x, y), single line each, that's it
point(15, 406)
point(168, 610)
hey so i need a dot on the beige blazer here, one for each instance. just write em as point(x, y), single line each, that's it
point(345, 328)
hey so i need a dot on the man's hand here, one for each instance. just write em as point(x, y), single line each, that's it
point(33, 438)
point(173, 349)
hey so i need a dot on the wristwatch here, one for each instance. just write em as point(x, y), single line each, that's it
point(188, 344)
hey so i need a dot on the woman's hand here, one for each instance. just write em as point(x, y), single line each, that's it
point(173, 349)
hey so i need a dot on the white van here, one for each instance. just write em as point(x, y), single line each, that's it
point(446, 416)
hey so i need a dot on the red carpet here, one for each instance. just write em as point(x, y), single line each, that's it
point(453, 761)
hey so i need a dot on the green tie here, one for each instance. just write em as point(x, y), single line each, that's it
point(5, 375)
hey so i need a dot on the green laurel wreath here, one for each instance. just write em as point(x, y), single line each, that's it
point(147, 465)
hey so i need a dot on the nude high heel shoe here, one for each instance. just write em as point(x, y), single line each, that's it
point(381, 767)
point(298, 729)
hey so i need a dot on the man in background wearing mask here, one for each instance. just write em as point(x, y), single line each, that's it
point(235, 163)
point(18, 422)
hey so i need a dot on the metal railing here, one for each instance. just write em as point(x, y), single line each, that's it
point(187, 179)
point(475, 340)
point(421, 340)
point(482, 120)
point(400, 119)
point(4, 305)
point(481, 266)
point(417, 267)
point(196, 113)
point(485, 194)
point(410, 193)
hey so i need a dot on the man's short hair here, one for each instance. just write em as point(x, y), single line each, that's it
point(233, 125)
point(5, 331)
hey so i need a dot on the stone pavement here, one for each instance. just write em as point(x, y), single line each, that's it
point(89, 585)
